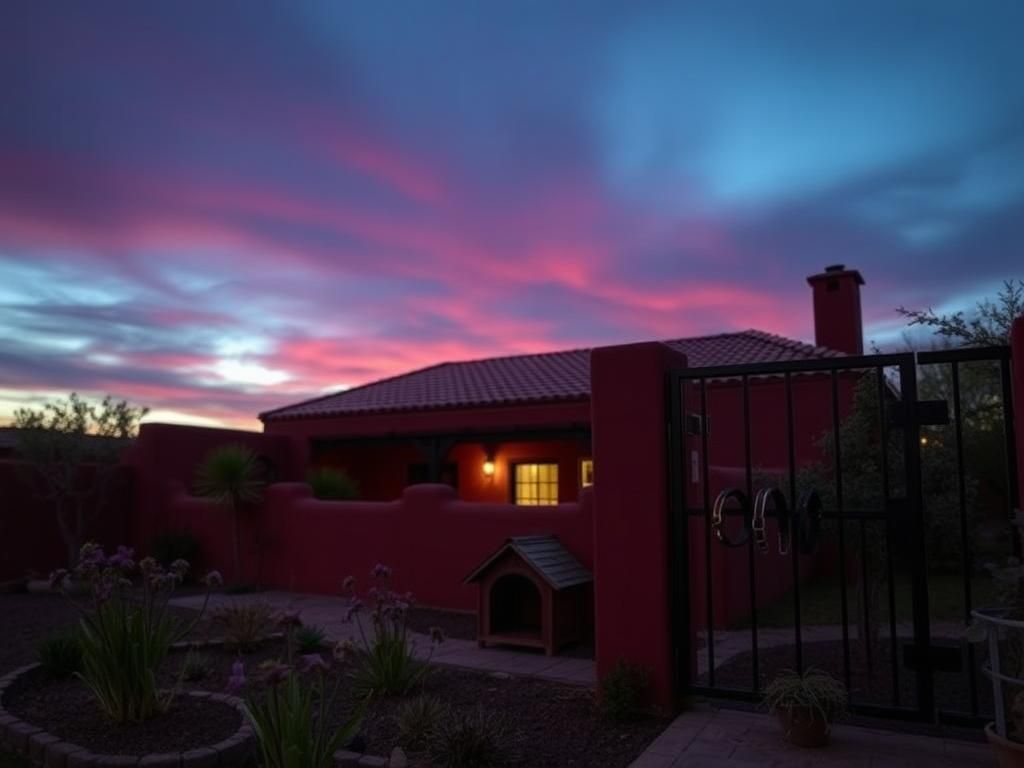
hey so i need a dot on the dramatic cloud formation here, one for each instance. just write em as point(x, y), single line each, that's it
point(217, 208)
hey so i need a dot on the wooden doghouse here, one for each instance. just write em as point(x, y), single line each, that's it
point(533, 593)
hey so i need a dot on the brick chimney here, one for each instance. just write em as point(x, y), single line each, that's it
point(837, 321)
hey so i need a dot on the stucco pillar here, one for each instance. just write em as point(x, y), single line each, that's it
point(1017, 354)
point(631, 521)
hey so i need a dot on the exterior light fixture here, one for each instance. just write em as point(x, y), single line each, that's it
point(924, 440)
point(489, 466)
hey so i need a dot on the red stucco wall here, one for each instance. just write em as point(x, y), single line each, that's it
point(432, 539)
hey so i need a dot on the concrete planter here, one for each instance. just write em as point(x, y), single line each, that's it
point(49, 751)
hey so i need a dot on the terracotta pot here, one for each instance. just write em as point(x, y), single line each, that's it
point(1009, 754)
point(804, 727)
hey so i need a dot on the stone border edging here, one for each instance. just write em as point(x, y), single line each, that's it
point(47, 750)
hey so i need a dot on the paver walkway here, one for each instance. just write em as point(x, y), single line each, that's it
point(329, 613)
point(710, 738)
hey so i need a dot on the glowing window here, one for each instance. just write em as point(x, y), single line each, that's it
point(586, 472)
point(535, 484)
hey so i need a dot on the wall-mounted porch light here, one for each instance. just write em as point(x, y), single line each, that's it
point(489, 465)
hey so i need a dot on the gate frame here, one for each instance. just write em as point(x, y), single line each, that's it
point(682, 634)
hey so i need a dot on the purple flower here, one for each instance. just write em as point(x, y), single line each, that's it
point(91, 554)
point(180, 567)
point(313, 662)
point(148, 566)
point(214, 579)
point(123, 559)
point(380, 571)
point(237, 679)
point(349, 584)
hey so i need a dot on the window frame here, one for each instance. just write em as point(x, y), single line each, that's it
point(583, 483)
point(513, 468)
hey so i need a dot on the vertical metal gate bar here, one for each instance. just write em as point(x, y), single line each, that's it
point(1012, 481)
point(708, 570)
point(894, 644)
point(919, 554)
point(794, 544)
point(965, 544)
point(678, 540)
point(755, 671)
point(841, 522)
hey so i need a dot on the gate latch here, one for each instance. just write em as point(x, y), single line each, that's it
point(930, 413)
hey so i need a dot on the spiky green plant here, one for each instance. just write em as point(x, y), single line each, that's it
point(230, 476)
point(815, 690)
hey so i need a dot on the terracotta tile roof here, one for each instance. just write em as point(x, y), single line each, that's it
point(547, 377)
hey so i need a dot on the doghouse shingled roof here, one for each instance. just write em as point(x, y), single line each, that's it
point(546, 555)
point(548, 377)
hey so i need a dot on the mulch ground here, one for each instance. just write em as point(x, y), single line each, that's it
point(544, 724)
point(67, 709)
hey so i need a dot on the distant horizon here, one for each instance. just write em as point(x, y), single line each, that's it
point(214, 212)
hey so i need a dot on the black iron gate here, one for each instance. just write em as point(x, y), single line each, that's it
point(840, 513)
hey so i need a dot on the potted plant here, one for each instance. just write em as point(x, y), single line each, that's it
point(1002, 629)
point(806, 705)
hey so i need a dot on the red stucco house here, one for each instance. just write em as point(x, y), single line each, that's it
point(517, 429)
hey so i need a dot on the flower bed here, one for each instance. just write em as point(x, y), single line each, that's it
point(52, 724)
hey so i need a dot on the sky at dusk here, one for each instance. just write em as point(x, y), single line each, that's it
point(216, 208)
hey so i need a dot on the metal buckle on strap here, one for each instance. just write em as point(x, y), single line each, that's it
point(718, 513)
point(780, 511)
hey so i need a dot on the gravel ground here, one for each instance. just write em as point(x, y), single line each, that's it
point(543, 723)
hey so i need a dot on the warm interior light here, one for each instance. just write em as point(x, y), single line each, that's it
point(489, 468)
point(924, 440)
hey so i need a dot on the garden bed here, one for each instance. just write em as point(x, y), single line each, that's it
point(543, 723)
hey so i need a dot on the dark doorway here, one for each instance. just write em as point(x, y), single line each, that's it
point(515, 606)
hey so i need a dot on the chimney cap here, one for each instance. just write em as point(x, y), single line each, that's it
point(832, 271)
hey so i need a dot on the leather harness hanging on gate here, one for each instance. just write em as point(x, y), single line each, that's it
point(782, 516)
point(717, 517)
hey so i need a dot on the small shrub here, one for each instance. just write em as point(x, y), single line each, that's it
point(386, 663)
point(624, 692)
point(195, 666)
point(61, 654)
point(244, 625)
point(418, 722)
point(310, 638)
point(815, 691)
point(468, 739)
point(331, 484)
point(169, 546)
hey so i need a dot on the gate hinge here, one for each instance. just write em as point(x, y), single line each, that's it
point(697, 424)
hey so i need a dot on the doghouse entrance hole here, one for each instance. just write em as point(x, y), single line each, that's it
point(515, 606)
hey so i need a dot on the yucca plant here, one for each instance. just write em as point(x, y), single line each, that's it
point(230, 476)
